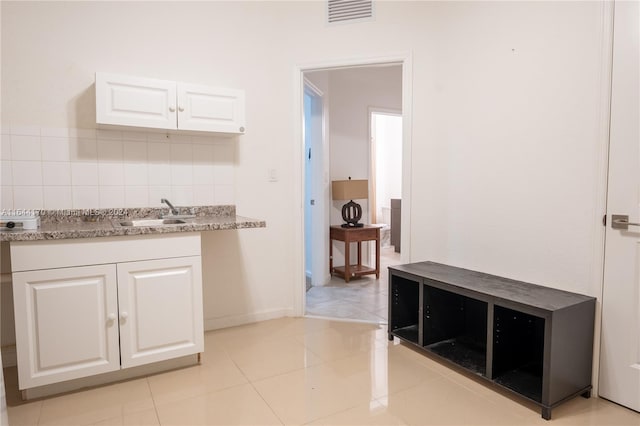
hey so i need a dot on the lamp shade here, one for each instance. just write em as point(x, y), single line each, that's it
point(349, 189)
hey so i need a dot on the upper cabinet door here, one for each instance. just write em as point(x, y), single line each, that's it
point(210, 109)
point(133, 101)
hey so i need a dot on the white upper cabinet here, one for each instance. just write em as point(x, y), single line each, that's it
point(132, 101)
point(163, 104)
point(206, 108)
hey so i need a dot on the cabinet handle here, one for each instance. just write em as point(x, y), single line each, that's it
point(181, 108)
point(241, 129)
point(172, 108)
point(111, 317)
point(124, 315)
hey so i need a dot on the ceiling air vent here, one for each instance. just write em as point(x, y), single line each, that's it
point(349, 10)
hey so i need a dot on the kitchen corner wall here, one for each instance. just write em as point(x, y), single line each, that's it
point(62, 168)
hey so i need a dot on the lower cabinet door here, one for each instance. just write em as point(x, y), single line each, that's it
point(66, 323)
point(160, 305)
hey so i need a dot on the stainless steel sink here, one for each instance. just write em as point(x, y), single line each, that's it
point(151, 222)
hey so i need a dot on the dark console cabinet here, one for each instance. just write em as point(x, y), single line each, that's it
point(534, 341)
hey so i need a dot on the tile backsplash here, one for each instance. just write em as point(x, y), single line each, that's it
point(61, 168)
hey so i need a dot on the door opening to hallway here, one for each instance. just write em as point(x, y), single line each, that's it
point(362, 105)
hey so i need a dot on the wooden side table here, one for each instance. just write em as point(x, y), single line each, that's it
point(354, 235)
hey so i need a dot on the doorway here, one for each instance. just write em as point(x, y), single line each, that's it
point(351, 94)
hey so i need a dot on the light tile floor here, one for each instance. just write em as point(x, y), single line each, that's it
point(363, 299)
point(305, 371)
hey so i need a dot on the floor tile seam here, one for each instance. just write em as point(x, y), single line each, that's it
point(361, 307)
point(314, 353)
point(153, 400)
point(451, 380)
point(283, 373)
point(315, 366)
point(382, 320)
point(334, 319)
point(56, 419)
point(273, 411)
point(230, 347)
point(341, 303)
point(380, 400)
point(39, 403)
point(225, 333)
point(421, 382)
point(159, 405)
point(343, 312)
point(323, 359)
point(409, 388)
point(399, 415)
point(512, 411)
point(344, 410)
point(241, 371)
point(374, 342)
point(362, 316)
point(229, 351)
point(321, 362)
point(300, 332)
point(343, 357)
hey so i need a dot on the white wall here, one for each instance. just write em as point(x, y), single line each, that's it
point(387, 134)
point(507, 148)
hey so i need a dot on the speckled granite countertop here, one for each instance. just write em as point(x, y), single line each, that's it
point(91, 223)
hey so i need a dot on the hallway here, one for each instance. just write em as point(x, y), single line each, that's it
point(363, 299)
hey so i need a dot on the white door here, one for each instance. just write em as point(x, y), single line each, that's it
point(316, 218)
point(210, 109)
point(66, 323)
point(160, 305)
point(134, 101)
point(620, 348)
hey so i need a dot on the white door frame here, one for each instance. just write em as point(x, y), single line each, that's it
point(404, 59)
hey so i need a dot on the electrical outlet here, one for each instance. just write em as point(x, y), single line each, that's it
point(272, 175)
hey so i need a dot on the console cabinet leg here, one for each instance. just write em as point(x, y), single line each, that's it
point(390, 336)
point(586, 394)
point(546, 413)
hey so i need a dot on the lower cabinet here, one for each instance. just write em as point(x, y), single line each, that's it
point(66, 323)
point(80, 321)
point(534, 341)
point(160, 304)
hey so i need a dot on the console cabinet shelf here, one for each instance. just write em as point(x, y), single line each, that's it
point(535, 341)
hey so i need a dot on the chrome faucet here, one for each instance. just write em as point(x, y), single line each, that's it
point(174, 211)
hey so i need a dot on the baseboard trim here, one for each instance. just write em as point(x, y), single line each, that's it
point(235, 320)
point(111, 377)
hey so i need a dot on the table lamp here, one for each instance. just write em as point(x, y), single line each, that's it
point(350, 190)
